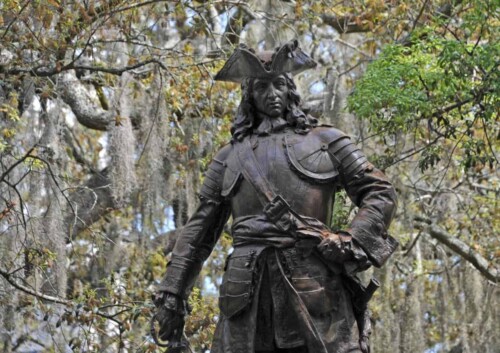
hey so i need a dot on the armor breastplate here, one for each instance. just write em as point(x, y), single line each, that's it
point(310, 158)
point(299, 168)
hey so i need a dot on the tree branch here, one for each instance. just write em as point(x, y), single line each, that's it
point(91, 201)
point(461, 248)
point(3, 178)
point(415, 22)
point(234, 26)
point(87, 112)
point(21, 202)
point(53, 299)
point(131, 7)
point(75, 147)
point(44, 71)
point(27, 290)
point(449, 108)
point(19, 161)
point(15, 19)
point(346, 24)
point(26, 339)
point(444, 11)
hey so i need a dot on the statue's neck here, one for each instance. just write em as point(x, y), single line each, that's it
point(266, 124)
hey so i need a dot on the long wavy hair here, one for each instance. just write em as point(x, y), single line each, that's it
point(246, 119)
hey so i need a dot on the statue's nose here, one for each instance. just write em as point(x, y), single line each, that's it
point(271, 92)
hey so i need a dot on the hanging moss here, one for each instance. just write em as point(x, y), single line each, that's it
point(122, 147)
point(154, 156)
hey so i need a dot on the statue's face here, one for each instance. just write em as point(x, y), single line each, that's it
point(270, 96)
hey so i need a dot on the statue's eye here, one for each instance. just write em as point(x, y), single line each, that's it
point(260, 87)
point(279, 84)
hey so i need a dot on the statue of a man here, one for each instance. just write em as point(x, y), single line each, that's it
point(289, 285)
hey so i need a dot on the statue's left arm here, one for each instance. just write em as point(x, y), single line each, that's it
point(371, 191)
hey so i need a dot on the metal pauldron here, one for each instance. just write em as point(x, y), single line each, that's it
point(212, 185)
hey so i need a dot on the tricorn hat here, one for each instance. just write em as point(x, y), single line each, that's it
point(244, 63)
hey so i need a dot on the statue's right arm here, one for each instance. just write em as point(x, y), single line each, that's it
point(200, 234)
point(192, 247)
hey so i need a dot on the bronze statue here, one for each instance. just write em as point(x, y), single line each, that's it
point(289, 285)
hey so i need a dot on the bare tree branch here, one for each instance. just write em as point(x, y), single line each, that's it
point(45, 71)
point(58, 300)
point(19, 161)
point(27, 290)
point(15, 19)
point(444, 11)
point(415, 22)
point(76, 149)
point(346, 24)
point(234, 26)
point(25, 339)
point(458, 246)
point(91, 201)
point(130, 7)
point(3, 178)
point(87, 112)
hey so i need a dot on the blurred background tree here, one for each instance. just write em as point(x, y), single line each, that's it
point(109, 115)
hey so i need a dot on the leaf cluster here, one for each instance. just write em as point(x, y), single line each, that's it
point(443, 86)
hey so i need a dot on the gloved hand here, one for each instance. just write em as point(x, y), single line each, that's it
point(337, 247)
point(364, 344)
point(170, 313)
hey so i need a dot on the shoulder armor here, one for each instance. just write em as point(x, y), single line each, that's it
point(348, 157)
point(214, 183)
point(309, 154)
point(232, 175)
